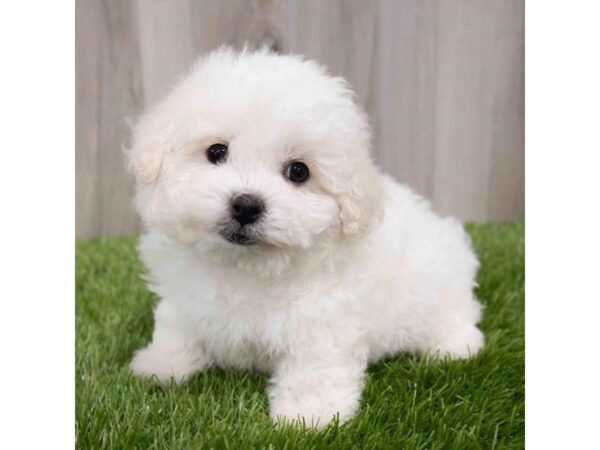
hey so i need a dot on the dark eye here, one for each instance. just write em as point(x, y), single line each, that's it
point(297, 172)
point(216, 153)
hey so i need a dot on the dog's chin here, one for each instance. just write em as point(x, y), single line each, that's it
point(247, 249)
point(254, 250)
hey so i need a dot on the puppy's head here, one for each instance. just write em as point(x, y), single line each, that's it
point(256, 154)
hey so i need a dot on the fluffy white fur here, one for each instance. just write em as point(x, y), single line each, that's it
point(352, 266)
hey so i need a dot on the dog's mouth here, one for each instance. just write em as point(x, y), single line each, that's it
point(235, 234)
point(240, 238)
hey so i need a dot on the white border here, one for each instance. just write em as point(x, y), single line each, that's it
point(37, 224)
point(563, 223)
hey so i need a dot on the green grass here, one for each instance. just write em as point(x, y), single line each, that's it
point(408, 403)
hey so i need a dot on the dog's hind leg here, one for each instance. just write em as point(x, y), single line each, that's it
point(463, 342)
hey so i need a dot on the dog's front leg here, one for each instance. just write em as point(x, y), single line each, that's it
point(173, 354)
point(314, 385)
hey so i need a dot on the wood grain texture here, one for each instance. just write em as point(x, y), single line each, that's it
point(108, 89)
point(443, 82)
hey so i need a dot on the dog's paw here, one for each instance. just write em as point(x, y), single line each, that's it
point(317, 418)
point(153, 362)
point(314, 408)
point(465, 343)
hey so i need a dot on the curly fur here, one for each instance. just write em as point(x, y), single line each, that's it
point(351, 266)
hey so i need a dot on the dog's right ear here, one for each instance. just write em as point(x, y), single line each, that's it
point(150, 141)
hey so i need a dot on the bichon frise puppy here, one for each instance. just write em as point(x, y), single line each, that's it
point(275, 244)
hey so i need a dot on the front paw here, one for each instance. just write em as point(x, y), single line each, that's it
point(154, 362)
point(313, 405)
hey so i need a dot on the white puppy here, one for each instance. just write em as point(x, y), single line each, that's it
point(275, 244)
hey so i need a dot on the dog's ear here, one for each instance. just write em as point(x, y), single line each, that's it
point(150, 141)
point(361, 200)
point(350, 175)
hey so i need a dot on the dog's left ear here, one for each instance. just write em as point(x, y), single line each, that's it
point(361, 202)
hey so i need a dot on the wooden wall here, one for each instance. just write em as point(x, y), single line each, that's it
point(443, 82)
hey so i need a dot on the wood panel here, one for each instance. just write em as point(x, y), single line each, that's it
point(441, 80)
point(108, 90)
point(479, 110)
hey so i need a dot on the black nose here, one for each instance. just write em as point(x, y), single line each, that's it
point(246, 208)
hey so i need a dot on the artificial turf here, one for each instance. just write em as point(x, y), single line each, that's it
point(408, 402)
